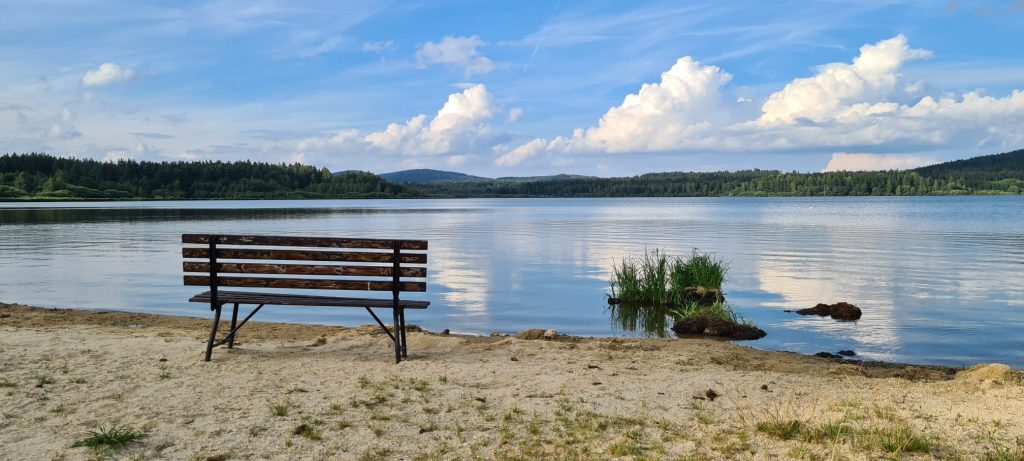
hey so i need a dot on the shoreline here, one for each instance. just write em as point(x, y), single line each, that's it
point(303, 391)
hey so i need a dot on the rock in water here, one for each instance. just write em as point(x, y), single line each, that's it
point(838, 311)
point(828, 355)
point(715, 327)
point(847, 353)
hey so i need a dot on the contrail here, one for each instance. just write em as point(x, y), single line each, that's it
point(543, 32)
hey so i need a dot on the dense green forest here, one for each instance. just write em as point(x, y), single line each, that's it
point(39, 176)
point(991, 174)
point(44, 177)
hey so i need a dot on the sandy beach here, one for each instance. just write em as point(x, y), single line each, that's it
point(318, 392)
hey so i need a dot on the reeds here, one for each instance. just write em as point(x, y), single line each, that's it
point(655, 278)
point(650, 290)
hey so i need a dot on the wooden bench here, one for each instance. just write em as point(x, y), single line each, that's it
point(328, 264)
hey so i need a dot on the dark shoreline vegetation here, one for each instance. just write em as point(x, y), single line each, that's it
point(655, 292)
point(42, 177)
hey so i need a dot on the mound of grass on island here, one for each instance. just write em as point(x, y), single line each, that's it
point(655, 291)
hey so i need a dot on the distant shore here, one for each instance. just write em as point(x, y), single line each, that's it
point(308, 392)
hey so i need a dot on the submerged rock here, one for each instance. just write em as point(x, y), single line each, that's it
point(838, 311)
point(828, 355)
point(716, 327)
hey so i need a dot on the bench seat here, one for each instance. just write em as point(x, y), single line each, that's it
point(275, 299)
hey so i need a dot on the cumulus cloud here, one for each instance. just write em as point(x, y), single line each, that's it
point(455, 51)
point(514, 114)
point(461, 126)
point(863, 105)
point(842, 161)
point(107, 74)
point(521, 153)
point(871, 78)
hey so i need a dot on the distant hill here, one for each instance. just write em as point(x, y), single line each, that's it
point(1009, 164)
point(555, 177)
point(426, 176)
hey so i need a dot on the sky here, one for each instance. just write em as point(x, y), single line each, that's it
point(516, 88)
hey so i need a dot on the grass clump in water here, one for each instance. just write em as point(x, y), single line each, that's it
point(651, 290)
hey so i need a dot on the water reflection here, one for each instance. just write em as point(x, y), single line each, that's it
point(939, 279)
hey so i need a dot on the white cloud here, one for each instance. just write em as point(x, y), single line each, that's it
point(106, 74)
point(455, 51)
point(460, 127)
point(870, 78)
point(514, 114)
point(116, 156)
point(863, 105)
point(842, 161)
point(379, 47)
point(521, 153)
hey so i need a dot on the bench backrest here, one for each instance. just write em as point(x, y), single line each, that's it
point(323, 263)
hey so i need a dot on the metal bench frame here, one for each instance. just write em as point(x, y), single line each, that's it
point(216, 298)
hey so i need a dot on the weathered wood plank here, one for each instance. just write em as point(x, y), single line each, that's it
point(311, 284)
point(304, 255)
point(272, 240)
point(304, 269)
point(245, 297)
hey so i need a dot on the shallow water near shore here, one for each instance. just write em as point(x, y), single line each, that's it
point(940, 279)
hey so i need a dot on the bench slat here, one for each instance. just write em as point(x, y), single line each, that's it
point(269, 240)
point(311, 284)
point(244, 297)
point(304, 269)
point(304, 255)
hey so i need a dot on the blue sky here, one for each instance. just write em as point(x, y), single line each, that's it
point(516, 88)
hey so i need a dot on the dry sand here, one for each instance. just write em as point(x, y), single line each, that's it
point(316, 392)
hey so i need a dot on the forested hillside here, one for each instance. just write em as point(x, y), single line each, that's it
point(46, 177)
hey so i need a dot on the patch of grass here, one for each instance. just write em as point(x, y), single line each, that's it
point(43, 381)
point(113, 437)
point(280, 409)
point(59, 409)
point(6, 383)
point(718, 310)
point(164, 375)
point(1005, 453)
point(342, 425)
point(783, 430)
point(309, 430)
point(79, 381)
point(443, 379)
point(296, 390)
point(256, 430)
point(894, 439)
point(376, 454)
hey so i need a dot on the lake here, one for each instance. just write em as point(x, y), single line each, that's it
point(940, 279)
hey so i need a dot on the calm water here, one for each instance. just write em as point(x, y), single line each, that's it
point(940, 279)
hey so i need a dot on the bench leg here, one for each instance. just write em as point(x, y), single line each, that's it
point(401, 319)
point(398, 336)
point(213, 333)
point(234, 320)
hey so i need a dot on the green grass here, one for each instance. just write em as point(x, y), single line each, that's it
point(651, 288)
point(6, 383)
point(309, 430)
point(112, 437)
point(716, 311)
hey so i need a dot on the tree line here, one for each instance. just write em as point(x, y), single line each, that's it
point(41, 176)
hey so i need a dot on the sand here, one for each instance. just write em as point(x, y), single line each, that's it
point(318, 392)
